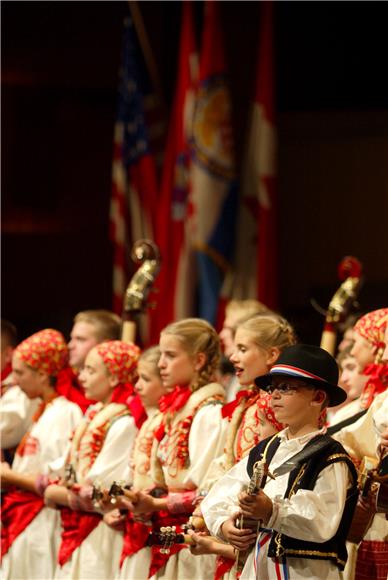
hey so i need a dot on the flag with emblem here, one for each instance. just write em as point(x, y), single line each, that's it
point(134, 179)
point(256, 247)
point(213, 191)
point(176, 281)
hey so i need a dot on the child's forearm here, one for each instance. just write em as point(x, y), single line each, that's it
point(225, 550)
point(22, 480)
point(57, 494)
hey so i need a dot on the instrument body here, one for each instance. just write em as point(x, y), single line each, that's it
point(373, 490)
point(256, 483)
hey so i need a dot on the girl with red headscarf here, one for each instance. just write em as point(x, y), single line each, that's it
point(28, 537)
point(98, 456)
point(370, 558)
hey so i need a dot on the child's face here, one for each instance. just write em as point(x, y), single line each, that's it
point(265, 428)
point(149, 385)
point(300, 406)
point(363, 351)
point(176, 366)
point(250, 361)
point(351, 380)
point(96, 380)
point(27, 378)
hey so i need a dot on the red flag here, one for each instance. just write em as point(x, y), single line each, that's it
point(176, 283)
point(257, 229)
point(213, 194)
point(134, 187)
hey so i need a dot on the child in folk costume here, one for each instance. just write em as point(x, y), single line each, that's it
point(190, 438)
point(258, 343)
point(368, 349)
point(353, 382)
point(360, 438)
point(16, 409)
point(236, 311)
point(305, 512)
point(136, 556)
point(30, 532)
point(99, 453)
point(267, 425)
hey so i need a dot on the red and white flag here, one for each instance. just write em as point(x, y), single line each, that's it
point(176, 281)
point(213, 192)
point(256, 264)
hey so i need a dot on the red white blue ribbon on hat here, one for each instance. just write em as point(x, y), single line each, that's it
point(294, 372)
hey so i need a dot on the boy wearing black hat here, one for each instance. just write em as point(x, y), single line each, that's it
point(304, 513)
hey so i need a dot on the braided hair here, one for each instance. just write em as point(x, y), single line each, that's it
point(270, 330)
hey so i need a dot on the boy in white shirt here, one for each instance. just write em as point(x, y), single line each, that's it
point(303, 515)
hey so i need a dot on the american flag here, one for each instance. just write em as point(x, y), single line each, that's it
point(134, 178)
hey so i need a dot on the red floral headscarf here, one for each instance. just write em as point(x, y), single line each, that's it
point(45, 350)
point(120, 358)
point(372, 327)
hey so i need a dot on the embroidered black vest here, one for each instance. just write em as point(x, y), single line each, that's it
point(305, 477)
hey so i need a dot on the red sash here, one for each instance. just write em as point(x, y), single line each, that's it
point(160, 519)
point(372, 560)
point(76, 527)
point(223, 565)
point(135, 538)
point(18, 510)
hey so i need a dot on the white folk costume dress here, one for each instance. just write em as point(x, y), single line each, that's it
point(193, 436)
point(136, 556)
point(242, 420)
point(361, 439)
point(308, 515)
point(16, 412)
point(242, 417)
point(100, 450)
point(32, 554)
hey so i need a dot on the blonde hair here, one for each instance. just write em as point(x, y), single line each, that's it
point(270, 331)
point(243, 309)
point(198, 336)
point(151, 355)
point(107, 325)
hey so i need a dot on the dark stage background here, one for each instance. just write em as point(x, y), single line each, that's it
point(59, 80)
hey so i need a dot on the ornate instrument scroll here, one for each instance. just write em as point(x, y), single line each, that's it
point(349, 271)
point(147, 254)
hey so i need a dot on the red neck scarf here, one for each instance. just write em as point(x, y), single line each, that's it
point(175, 400)
point(170, 404)
point(247, 395)
point(68, 386)
point(6, 371)
point(377, 383)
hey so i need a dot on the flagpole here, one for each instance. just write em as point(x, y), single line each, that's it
point(138, 23)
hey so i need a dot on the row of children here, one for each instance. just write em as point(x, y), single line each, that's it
point(170, 441)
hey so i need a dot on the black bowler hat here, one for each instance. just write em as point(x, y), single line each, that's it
point(311, 364)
